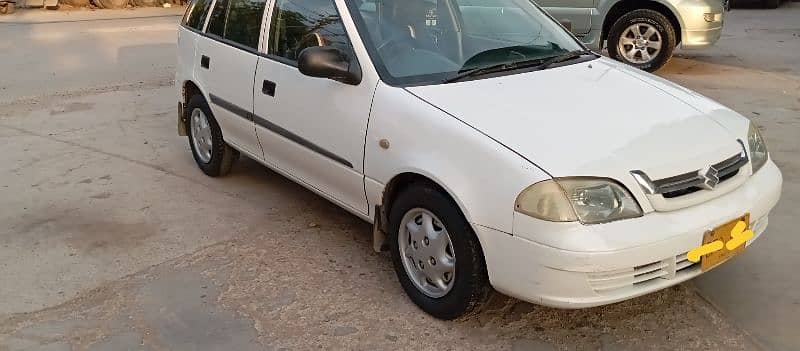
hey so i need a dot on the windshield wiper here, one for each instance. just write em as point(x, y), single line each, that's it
point(564, 57)
point(482, 71)
point(508, 66)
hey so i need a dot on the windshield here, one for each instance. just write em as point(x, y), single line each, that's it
point(431, 41)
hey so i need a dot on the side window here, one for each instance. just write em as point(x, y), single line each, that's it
point(196, 14)
point(244, 22)
point(299, 24)
point(216, 24)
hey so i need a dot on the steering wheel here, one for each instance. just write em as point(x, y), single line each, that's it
point(398, 40)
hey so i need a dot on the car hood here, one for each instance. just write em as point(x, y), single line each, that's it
point(594, 118)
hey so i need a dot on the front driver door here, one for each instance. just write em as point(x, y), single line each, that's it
point(312, 128)
point(579, 12)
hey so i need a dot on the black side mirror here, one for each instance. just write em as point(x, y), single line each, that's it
point(329, 62)
point(567, 24)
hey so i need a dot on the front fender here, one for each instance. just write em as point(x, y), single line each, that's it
point(481, 175)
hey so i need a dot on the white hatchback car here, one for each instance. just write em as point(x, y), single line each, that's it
point(485, 143)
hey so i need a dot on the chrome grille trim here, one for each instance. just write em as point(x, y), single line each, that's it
point(691, 182)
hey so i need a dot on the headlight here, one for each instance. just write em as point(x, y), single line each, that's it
point(758, 148)
point(590, 200)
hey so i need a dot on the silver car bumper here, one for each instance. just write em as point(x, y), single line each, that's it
point(700, 38)
point(702, 24)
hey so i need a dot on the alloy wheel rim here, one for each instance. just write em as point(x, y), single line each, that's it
point(427, 252)
point(640, 43)
point(201, 135)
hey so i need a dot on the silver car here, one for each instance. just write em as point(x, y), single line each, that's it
point(642, 33)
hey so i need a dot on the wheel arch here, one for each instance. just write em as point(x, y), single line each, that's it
point(188, 89)
point(395, 186)
point(622, 7)
point(403, 180)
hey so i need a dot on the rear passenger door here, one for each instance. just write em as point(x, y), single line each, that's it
point(579, 12)
point(227, 56)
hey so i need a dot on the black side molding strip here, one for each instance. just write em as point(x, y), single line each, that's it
point(216, 100)
point(299, 140)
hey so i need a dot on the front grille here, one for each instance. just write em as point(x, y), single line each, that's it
point(640, 277)
point(692, 182)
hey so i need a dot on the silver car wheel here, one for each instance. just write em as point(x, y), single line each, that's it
point(640, 43)
point(427, 252)
point(201, 135)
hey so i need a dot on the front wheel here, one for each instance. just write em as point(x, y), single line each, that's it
point(436, 254)
point(644, 39)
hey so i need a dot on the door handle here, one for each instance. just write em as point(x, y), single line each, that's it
point(205, 61)
point(268, 88)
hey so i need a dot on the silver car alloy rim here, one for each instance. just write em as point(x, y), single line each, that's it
point(640, 43)
point(427, 252)
point(201, 135)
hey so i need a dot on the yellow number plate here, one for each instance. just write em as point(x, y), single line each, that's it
point(722, 233)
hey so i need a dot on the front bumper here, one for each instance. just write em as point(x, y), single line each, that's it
point(586, 273)
point(700, 38)
point(697, 31)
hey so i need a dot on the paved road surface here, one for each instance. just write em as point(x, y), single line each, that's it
point(51, 52)
point(755, 69)
point(111, 239)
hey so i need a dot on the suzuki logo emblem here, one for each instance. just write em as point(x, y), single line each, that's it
point(710, 176)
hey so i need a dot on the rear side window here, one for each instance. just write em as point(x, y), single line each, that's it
point(244, 22)
point(299, 24)
point(216, 24)
point(196, 14)
point(238, 21)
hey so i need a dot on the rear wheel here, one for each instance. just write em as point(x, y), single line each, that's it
point(644, 39)
point(770, 4)
point(436, 255)
point(212, 154)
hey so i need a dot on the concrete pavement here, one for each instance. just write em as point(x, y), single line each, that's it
point(755, 69)
point(111, 239)
point(52, 52)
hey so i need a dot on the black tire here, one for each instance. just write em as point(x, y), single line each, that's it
point(770, 4)
point(471, 283)
point(223, 156)
point(661, 23)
